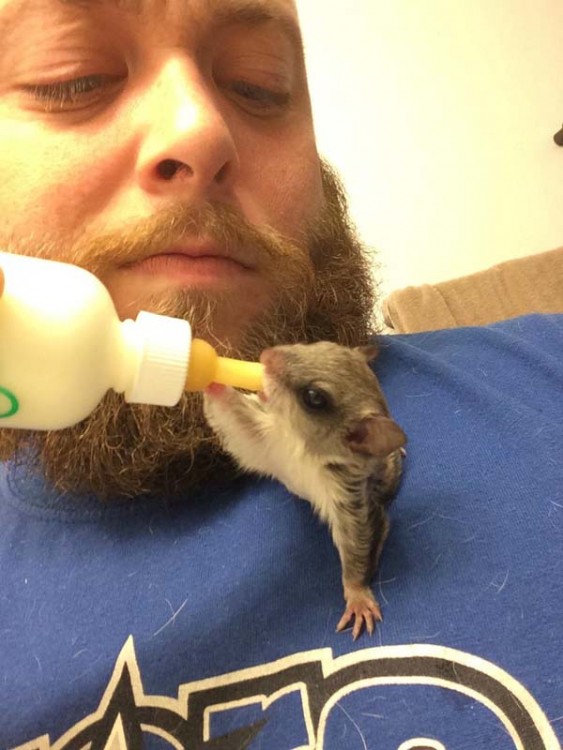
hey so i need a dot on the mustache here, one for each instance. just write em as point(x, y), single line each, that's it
point(223, 226)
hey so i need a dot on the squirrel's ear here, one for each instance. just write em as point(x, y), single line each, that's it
point(377, 435)
point(370, 352)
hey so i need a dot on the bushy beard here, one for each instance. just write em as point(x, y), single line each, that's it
point(322, 288)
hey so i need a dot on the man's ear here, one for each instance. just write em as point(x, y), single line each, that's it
point(370, 352)
point(377, 435)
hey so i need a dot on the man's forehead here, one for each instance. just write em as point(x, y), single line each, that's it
point(220, 12)
point(214, 5)
point(271, 6)
point(251, 11)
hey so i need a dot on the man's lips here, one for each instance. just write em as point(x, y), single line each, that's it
point(172, 261)
point(192, 263)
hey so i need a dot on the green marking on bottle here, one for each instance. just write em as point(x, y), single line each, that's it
point(13, 403)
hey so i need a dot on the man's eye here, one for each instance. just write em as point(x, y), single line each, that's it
point(315, 399)
point(72, 93)
point(260, 98)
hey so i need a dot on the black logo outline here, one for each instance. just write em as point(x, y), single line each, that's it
point(321, 680)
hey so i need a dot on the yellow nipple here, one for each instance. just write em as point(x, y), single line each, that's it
point(206, 367)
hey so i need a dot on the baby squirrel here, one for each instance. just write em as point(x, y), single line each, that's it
point(321, 426)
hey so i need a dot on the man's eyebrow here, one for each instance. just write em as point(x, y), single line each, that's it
point(256, 13)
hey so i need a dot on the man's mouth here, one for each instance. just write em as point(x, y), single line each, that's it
point(194, 263)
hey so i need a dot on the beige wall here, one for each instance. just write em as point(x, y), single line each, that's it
point(440, 114)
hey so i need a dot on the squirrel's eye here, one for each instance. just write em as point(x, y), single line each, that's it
point(314, 399)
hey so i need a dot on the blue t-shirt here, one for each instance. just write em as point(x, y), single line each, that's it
point(212, 625)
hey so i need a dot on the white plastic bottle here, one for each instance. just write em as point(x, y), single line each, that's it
point(63, 346)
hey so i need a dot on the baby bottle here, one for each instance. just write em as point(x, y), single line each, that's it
point(63, 346)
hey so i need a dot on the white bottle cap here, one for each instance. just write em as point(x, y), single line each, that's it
point(164, 355)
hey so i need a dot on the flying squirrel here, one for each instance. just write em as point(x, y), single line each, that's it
point(322, 427)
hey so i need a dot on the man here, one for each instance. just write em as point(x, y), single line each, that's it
point(169, 148)
point(149, 597)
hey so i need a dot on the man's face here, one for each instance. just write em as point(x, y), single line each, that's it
point(167, 146)
point(112, 114)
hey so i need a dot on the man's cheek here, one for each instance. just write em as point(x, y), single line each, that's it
point(58, 191)
point(33, 194)
point(297, 199)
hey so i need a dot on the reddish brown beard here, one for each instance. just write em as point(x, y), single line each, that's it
point(322, 289)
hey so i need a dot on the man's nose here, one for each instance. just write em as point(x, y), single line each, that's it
point(187, 149)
